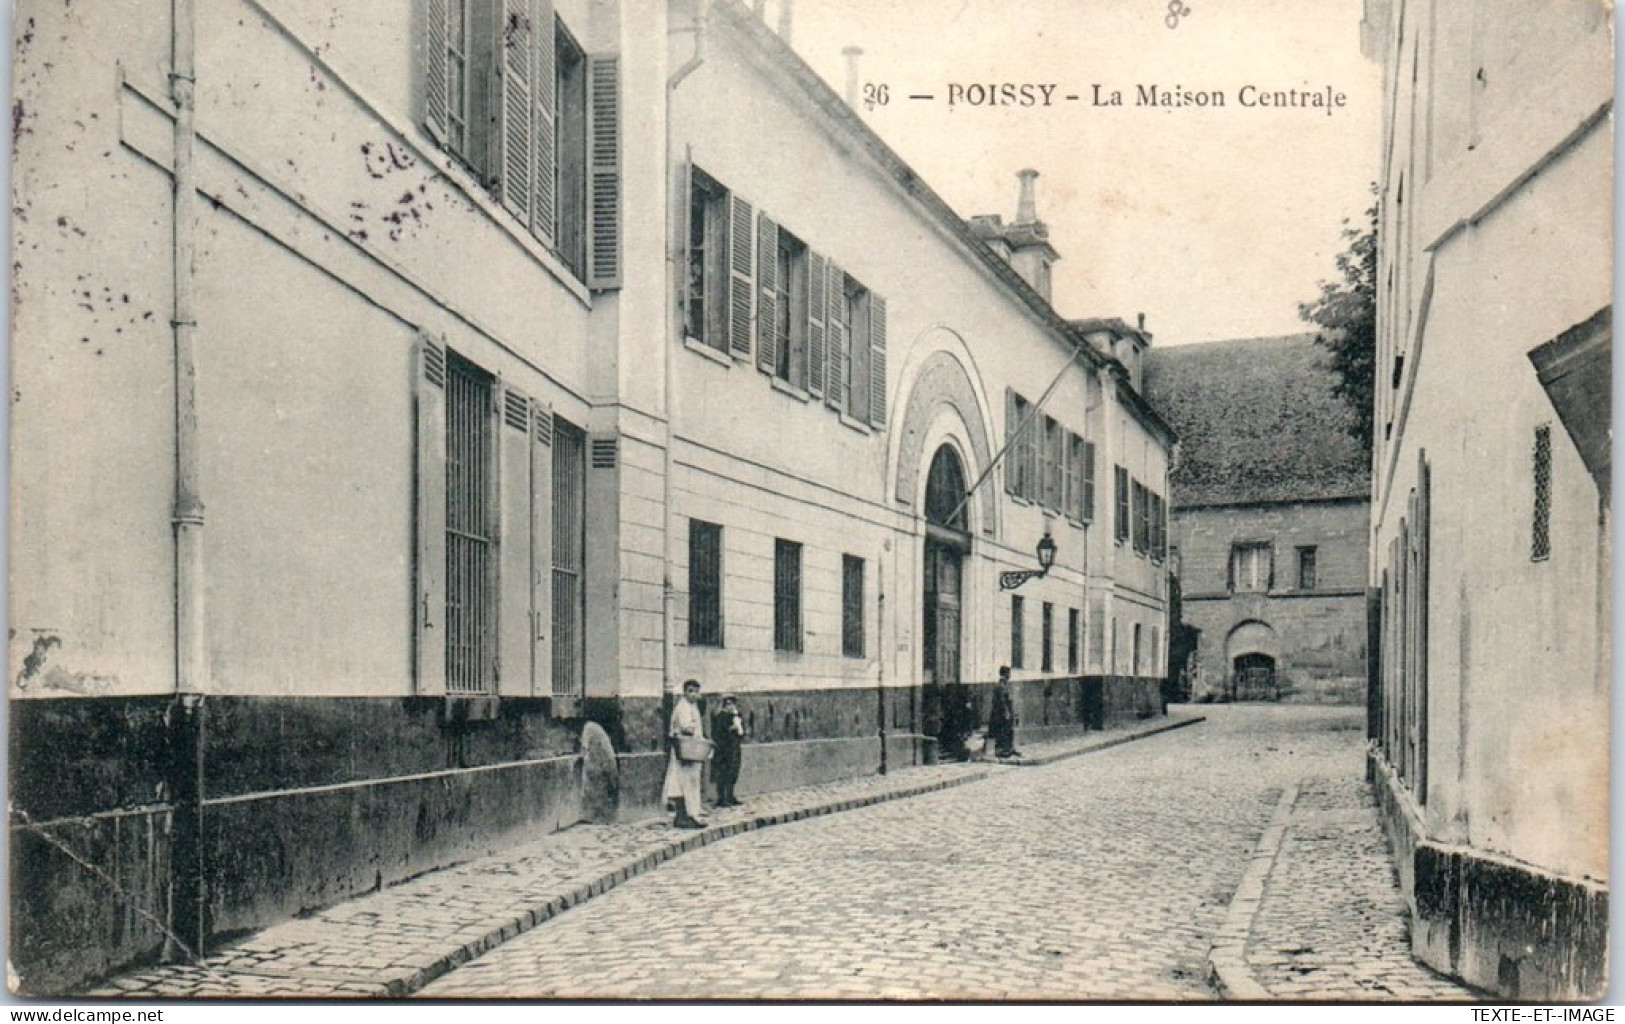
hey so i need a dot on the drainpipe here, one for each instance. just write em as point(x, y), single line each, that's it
point(191, 666)
point(880, 649)
point(676, 247)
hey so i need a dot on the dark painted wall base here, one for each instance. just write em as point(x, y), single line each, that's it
point(1499, 925)
point(220, 815)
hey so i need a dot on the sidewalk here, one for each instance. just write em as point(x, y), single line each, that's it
point(1319, 916)
point(393, 942)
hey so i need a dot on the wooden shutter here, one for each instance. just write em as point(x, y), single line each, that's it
point(817, 319)
point(767, 269)
point(1088, 481)
point(837, 337)
point(1011, 454)
point(1069, 474)
point(541, 548)
point(877, 360)
point(514, 65)
point(544, 123)
point(741, 276)
point(429, 570)
point(514, 668)
point(604, 171)
point(436, 97)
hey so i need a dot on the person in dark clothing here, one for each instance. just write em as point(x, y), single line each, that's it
point(1001, 718)
point(728, 732)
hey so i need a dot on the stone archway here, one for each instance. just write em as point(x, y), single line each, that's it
point(1253, 655)
point(943, 384)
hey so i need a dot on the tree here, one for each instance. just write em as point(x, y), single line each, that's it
point(1347, 312)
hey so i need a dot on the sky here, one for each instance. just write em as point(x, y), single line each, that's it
point(1213, 222)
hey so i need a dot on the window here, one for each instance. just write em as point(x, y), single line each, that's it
point(784, 304)
point(1136, 661)
point(1541, 544)
point(1154, 659)
point(704, 584)
point(535, 120)
point(1121, 525)
point(1047, 636)
point(1097, 637)
point(569, 556)
point(1074, 636)
point(471, 529)
point(1159, 525)
point(786, 595)
point(705, 311)
point(1080, 479)
point(854, 375)
point(1051, 462)
point(1141, 517)
point(1306, 568)
point(1021, 465)
point(852, 606)
point(1251, 566)
point(1018, 641)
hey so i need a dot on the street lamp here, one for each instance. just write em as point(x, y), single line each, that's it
point(1046, 559)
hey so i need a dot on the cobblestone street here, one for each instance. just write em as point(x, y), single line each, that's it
point(1103, 877)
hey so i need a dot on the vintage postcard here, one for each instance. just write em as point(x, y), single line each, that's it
point(1072, 501)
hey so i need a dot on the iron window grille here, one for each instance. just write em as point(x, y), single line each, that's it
point(471, 528)
point(1307, 569)
point(1018, 639)
point(704, 584)
point(786, 595)
point(1541, 540)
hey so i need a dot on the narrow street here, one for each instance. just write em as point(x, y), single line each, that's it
point(1100, 877)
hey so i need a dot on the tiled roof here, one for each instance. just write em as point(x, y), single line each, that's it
point(1257, 422)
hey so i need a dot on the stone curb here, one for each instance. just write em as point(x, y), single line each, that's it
point(1106, 743)
point(406, 984)
point(409, 982)
point(1227, 959)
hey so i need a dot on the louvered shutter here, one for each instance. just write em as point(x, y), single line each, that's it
point(604, 172)
point(429, 572)
point(877, 360)
point(1012, 454)
point(838, 336)
point(435, 69)
point(543, 130)
point(1069, 475)
point(767, 320)
point(515, 67)
point(1088, 481)
point(514, 668)
point(741, 276)
point(817, 321)
point(541, 548)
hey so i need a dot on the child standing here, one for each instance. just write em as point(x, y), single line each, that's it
point(728, 733)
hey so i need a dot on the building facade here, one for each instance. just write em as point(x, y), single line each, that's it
point(1270, 511)
point(401, 415)
point(1490, 550)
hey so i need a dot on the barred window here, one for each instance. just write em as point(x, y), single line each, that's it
point(471, 529)
point(786, 595)
point(704, 584)
point(1018, 640)
point(1047, 625)
point(852, 644)
point(1074, 628)
point(1541, 545)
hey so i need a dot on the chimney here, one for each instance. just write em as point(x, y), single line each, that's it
point(1026, 204)
point(852, 53)
point(786, 9)
point(1141, 317)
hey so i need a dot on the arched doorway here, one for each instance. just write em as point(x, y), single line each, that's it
point(945, 717)
point(1253, 654)
point(1254, 678)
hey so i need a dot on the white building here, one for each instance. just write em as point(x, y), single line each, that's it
point(409, 396)
point(1490, 507)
